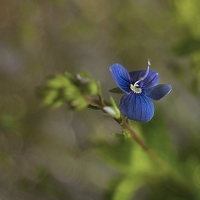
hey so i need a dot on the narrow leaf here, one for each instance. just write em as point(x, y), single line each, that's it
point(116, 90)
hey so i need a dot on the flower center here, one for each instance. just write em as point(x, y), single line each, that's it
point(135, 88)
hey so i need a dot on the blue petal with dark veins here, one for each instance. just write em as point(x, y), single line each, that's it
point(121, 77)
point(151, 79)
point(157, 92)
point(137, 107)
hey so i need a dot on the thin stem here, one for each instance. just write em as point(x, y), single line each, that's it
point(126, 126)
point(142, 143)
point(124, 123)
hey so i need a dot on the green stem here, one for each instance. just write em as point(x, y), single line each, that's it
point(124, 123)
point(126, 126)
point(141, 142)
point(165, 165)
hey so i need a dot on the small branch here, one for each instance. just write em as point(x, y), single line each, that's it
point(94, 107)
point(93, 102)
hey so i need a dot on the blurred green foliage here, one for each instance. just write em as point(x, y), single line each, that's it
point(186, 14)
point(56, 154)
point(68, 89)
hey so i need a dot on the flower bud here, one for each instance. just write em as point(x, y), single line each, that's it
point(109, 110)
point(87, 84)
point(78, 104)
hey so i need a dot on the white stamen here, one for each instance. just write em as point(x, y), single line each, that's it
point(149, 63)
point(135, 88)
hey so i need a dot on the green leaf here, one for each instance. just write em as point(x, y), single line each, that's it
point(57, 81)
point(99, 90)
point(86, 83)
point(126, 188)
point(121, 136)
point(116, 90)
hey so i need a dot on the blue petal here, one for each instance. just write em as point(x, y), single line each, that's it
point(121, 77)
point(157, 92)
point(137, 107)
point(152, 78)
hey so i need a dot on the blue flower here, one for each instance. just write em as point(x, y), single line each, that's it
point(139, 87)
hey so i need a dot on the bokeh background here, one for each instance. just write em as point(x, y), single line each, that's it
point(52, 154)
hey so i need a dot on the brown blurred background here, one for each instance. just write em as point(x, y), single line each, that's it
point(51, 154)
